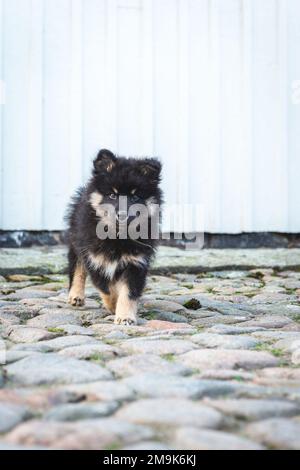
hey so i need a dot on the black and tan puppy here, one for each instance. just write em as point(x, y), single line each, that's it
point(100, 244)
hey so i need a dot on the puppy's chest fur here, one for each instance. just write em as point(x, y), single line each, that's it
point(110, 267)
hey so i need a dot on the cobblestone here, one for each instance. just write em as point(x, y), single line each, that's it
point(199, 439)
point(214, 362)
point(161, 412)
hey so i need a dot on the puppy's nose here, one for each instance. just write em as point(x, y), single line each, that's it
point(122, 217)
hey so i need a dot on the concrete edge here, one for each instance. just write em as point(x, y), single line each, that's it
point(165, 270)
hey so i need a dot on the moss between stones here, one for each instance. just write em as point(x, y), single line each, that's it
point(59, 331)
point(280, 353)
point(239, 379)
point(210, 290)
point(277, 352)
point(192, 304)
point(152, 315)
point(7, 292)
point(250, 296)
point(100, 358)
point(205, 275)
point(256, 275)
point(114, 446)
point(291, 291)
point(168, 357)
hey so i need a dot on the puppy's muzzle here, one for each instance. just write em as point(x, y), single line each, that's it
point(123, 218)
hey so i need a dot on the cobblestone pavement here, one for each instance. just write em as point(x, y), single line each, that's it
point(213, 364)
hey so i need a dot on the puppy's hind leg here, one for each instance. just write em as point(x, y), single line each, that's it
point(109, 301)
point(77, 274)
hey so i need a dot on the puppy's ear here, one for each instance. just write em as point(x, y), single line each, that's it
point(151, 167)
point(105, 161)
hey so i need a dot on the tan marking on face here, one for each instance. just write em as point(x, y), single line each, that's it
point(133, 191)
point(152, 206)
point(126, 309)
point(115, 190)
point(77, 290)
point(95, 200)
point(110, 167)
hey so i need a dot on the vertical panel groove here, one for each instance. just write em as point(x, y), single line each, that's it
point(35, 112)
point(75, 90)
point(111, 73)
point(57, 111)
point(183, 101)
point(283, 97)
point(293, 85)
point(15, 154)
point(147, 60)
point(247, 61)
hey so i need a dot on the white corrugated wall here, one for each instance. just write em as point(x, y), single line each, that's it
point(208, 85)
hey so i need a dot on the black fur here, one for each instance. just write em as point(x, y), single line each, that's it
point(125, 175)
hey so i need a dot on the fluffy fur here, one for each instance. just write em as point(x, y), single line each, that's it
point(118, 268)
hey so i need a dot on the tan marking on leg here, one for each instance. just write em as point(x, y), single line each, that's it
point(109, 301)
point(77, 290)
point(126, 310)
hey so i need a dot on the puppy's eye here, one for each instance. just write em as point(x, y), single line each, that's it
point(113, 196)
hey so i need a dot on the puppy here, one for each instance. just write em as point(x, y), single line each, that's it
point(109, 239)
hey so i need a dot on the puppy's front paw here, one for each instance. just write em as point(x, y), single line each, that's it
point(76, 301)
point(126, 320)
